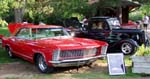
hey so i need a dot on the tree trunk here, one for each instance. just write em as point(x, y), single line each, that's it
point(18, 15)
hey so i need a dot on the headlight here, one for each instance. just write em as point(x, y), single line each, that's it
point(91, 51)
point(104, 50)
point(56, 55)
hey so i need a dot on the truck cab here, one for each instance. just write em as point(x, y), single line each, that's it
point(119, 39)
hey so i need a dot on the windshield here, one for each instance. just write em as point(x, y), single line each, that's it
point(48, 32)
point(114, 23)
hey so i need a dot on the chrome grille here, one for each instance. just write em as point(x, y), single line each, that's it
point(74, 54)
point(71, 53)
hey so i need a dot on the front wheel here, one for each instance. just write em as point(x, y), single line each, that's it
point(128, 47)
point(42, 66)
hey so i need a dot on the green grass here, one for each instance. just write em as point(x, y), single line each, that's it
point(4, 58)
point(3, 55)
point(4, 31)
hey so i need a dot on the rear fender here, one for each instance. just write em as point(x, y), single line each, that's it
point(118, 44)
point(129, 40)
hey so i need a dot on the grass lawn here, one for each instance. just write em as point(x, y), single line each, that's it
point(4, 31)
point(91, 74)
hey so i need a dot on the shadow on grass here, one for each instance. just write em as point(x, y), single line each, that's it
point(5, 59)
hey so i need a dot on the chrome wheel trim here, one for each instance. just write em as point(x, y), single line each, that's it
point(9, 52)
point(126, 48)
point(42, 63)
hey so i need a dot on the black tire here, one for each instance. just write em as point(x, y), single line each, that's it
point(10, 53)
point(128, 47)
point(42, 66)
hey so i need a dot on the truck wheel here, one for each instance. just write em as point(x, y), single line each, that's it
point(10, 54)
point(42, 66)
point(127, 47)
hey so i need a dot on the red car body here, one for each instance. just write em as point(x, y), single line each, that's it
point(57, 51)
point(130, 25)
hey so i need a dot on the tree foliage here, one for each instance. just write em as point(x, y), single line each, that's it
point(4, 8)
point(139, 14)
point(49, 11)
point(143, 1)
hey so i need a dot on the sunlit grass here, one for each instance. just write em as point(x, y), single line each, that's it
point(4, 31)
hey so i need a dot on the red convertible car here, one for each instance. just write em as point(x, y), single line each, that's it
point(50, 46)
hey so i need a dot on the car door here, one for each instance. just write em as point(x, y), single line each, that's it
point(14, 44)
point(26, 48)
point(22, 39)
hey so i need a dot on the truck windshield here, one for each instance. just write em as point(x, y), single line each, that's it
point(114, 23)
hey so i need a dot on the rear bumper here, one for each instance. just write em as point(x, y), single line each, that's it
point(75, 62)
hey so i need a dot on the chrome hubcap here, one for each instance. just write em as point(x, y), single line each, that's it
point(9, 52)
point(126, 48)
point(42, 63)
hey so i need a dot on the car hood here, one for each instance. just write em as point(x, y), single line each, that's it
point(69, 43)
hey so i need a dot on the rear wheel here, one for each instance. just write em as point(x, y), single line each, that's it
point(10, 54)
point(128, 47)
point(42, 66)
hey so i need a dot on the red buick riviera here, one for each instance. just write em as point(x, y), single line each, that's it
point(50, 46)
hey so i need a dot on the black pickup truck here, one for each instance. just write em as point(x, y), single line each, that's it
point(108, 29)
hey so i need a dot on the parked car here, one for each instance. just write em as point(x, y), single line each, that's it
point(50, 46)
point(108, 29)
point(131, 25)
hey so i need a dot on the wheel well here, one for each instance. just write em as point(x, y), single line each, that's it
point(6, 46)
point(124, 36)
point(133, 43)
point(35, 56)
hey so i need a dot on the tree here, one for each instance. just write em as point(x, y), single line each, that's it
point(19, 8)
point(51, 10)
point(143, 1)
point(4, 8)
point(42, 10)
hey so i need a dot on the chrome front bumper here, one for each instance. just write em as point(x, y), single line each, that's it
point(75, 62)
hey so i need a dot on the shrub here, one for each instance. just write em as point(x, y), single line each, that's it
point(143, 51)
point(3, 23)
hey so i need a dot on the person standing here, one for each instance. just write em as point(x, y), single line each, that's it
point(145, 21)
